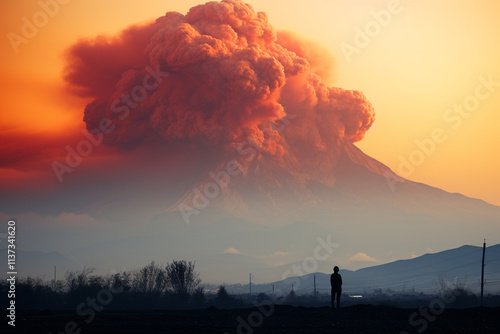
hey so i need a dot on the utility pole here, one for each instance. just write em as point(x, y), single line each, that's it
point(55, 278)
point(250, 275)
point(315, 286)
point(482, 272)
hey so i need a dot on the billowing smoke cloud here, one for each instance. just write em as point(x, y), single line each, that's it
point(217, 76)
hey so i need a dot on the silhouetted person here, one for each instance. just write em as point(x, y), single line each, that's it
point(336, 283)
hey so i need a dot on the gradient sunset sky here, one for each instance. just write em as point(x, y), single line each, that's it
point(430, 56)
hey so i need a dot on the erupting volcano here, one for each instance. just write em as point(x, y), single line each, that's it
point(274, 138)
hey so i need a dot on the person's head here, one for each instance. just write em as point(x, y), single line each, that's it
point(336, 269)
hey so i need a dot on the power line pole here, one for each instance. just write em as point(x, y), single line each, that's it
point(315, 286)
point(482, 272)
point(250, 275)
point(55, 278)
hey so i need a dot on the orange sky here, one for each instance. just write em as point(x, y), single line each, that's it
point(429, 56)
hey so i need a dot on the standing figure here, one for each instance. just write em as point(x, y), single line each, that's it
point(336, 283)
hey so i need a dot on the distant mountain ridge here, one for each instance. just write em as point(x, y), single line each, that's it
point(416, 275)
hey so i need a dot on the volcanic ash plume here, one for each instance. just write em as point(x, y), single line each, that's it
point(215, 77)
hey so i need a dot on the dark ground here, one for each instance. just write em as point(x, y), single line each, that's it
point(281, 319)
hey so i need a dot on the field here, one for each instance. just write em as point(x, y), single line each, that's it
point(273, 319)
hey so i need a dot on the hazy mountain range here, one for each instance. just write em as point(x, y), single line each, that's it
point(419, 274)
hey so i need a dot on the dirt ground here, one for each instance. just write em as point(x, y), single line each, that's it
point(272, 319)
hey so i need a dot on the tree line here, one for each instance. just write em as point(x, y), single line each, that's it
point(176, 285)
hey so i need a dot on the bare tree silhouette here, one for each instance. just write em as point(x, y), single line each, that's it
point(182, 277)
point(151, 280)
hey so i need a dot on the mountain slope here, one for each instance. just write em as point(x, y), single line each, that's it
point(347, 181)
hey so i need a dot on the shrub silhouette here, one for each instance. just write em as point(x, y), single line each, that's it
point(225, 300)
point(82, 284)
point(460, 295)
point(198, 298)
point(262, 297)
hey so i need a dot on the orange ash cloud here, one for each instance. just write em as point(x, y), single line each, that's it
point(215, 77)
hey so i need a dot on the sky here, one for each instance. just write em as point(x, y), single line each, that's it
point(427, 68)
point(427, 58)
